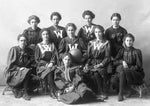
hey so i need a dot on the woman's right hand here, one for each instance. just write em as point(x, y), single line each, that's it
point(125, 65)
point(22, 68)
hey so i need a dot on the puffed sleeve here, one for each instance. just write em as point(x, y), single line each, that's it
point(139, 63)
point(119, 58)
point(89, 53)
point(37, 54)
point(107, 34)
point(107, 59)
point(83, 46)
point(62, 47)
point(58, 79)
point(54, 58)
point(80, 33)
point(11, 59)
point(64, 33)
point(25, 33)
point(77, 78)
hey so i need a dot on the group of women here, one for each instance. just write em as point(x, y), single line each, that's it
point(108, 57)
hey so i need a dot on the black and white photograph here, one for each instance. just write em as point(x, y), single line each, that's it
point(74, 52)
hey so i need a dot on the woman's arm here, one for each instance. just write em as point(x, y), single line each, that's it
point(139, 62)
point(107, 58)
point(11, 59)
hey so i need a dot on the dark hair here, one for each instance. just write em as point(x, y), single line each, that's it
point(66, 54)
point(116, 15)
point(21, 35)
point(33, 17)
point(88, 12)
point(72, 25)
point(129, 35)
point(56, 14)
point(99, 27)
point(45, 29)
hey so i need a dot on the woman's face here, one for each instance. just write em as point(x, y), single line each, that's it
point(70, 31)
point(55, 20)
point(115, 21)
point(88, 19)
point(67, 61)
point(98, 34)
point(128, 41)
point(45, 35)
point(22, 42)
point(33, 23)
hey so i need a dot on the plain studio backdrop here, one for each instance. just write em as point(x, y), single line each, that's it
point(135, 18)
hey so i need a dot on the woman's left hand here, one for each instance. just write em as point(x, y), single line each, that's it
point(98, 65)
point(50, 65)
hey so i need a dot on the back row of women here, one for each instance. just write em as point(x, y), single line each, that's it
point(75, 67)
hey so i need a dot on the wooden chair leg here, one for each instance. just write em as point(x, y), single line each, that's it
point(7, 88)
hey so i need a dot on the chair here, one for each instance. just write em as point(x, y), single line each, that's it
point(139, 88)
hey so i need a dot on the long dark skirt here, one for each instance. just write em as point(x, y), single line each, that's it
point(131, 77)
point(91, 78)
point(16, 77)
point(78, 95)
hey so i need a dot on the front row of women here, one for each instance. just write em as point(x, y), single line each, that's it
point(67, 81)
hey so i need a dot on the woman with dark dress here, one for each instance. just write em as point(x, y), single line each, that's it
point(46, 57)
point(115, 34)
point(32, 33)
point(72, 42)
point(129, 69)
point(18, 70)
point(86, 32)
point(57, 32)
point(98, 60)
point(71, 88)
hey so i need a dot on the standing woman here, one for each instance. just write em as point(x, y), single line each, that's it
point(115, 34)
point(32, 33)
point(98, 60)
point(129, 64)
point(46, 58)
point(57, 32)
point(72, 42)
point(19, 68)
point(86, 32)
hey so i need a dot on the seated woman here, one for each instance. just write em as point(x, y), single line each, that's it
point(129, 69)
point(72, 42)
point(71, 88)
point(98, 60)
point(18, 70)
point(46, 58)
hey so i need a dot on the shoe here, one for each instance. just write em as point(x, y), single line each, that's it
point(17, 93)
point(52, 94)
point(100, 97)
point(120, 98)
point(26, 97)
point(130, 93)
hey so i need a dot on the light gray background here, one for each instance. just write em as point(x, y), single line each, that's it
point(135, 18)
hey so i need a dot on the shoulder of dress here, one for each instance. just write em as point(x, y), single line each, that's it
point(137, 50)
point(14, 48)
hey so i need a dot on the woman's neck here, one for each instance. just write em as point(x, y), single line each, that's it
point(100, 40)
point(89, 24)
point(34, 28)
point(72, 37)
point(115, 27)
point(22, 47)
point(45, 42)
point(55, 26)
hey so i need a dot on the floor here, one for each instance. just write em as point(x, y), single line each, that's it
point(44, 100)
